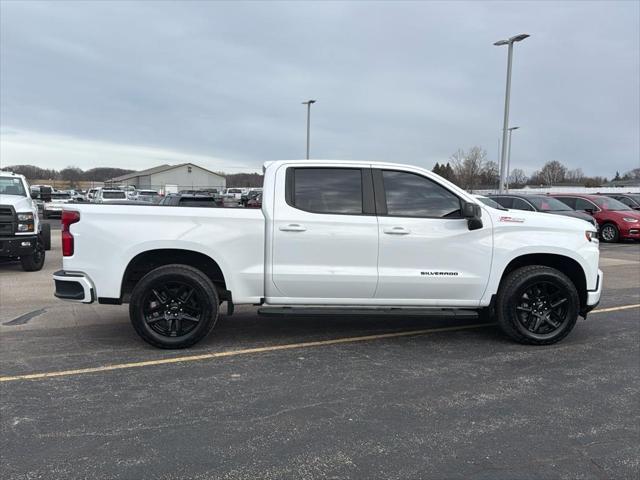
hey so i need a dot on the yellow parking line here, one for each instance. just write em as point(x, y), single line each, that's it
point(272, 348)
point(232, 353)
point(615, 309)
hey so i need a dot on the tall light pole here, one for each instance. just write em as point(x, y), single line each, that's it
point(509, 156)
point(505, 126)
point(308, 104)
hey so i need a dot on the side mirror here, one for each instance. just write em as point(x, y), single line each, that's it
point(472, 212)
point(590, 211)
point(45, 194)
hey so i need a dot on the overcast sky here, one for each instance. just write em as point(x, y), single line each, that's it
point(137, 84)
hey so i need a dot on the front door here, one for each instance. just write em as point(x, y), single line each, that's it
point(325, 236)
point(427, 254)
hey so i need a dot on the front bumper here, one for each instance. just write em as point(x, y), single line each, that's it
point(593, 296)
point(74, 286)
point(16, 246)
point(631, 233)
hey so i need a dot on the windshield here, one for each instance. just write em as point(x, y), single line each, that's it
point(491, 203)
point(608, 203)
point(113, 195)
point(60, 196)
point(548, 204)
point(12, 186)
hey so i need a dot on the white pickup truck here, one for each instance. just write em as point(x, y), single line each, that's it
point(333, 233)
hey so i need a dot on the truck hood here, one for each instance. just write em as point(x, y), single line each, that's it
point(20, 204)
point(525, 219)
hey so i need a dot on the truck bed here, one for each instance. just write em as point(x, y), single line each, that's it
point(109, 236)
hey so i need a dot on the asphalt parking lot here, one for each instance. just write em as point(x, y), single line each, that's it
point(333, 397)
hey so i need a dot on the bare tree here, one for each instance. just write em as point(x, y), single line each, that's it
point(517, 178)
point(575, 175)
point(468, 166)
point(553, 173)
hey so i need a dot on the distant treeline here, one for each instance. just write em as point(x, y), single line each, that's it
point(100, 174)
point(71, 174)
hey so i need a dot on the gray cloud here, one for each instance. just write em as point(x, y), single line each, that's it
point(408, 82)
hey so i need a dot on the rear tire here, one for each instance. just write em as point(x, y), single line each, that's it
point(537, 305)
point(35, 261)
point(609, 233)
point(174, 306)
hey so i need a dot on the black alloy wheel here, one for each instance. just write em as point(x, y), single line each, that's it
point(174, 306)
point(537, 305)
point(542, 309)
point(173, 309)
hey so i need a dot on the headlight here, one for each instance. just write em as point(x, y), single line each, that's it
point(25, 227)
point(630, 220)
point(591, 236)
point(25, 217)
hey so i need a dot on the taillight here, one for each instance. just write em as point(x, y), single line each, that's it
point(68, 218)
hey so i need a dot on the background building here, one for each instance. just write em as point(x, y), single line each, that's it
point(167, 178)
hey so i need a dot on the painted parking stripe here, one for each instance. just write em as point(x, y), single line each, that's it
point(232, 353)
point(272, 348)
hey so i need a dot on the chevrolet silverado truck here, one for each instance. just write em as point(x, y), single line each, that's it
point(22, 236)
point(343, 234)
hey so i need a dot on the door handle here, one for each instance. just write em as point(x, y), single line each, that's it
point(396, 231)
point(293, 227)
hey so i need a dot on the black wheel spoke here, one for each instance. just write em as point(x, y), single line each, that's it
point(173, 309)
point(542, 308)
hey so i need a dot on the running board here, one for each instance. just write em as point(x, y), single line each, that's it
point(361, 312)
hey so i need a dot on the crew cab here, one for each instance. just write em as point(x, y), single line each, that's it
point(333, 233)
point(22, 236)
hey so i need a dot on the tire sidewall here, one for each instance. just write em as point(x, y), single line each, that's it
point(616, 235)
point(158, 277)
point(512, 294)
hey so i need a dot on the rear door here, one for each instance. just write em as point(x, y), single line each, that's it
point(427, 254)
point(325, 235)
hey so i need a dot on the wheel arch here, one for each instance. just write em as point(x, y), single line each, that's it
point(567, 265)
point(146, 261)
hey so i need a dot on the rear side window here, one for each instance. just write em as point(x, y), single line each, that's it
point(582, 204)
point(327, 190)
point(411, 195)
point(113, 195)
point(568, 201)
point(520, 204)
point(197, 202)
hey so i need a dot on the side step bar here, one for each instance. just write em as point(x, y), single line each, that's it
point(364, 312)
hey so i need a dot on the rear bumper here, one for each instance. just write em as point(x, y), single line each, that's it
point(593, 296)
point(74, 286)
point(16, 246)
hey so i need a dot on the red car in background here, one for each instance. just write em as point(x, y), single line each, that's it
point(616, 220)
point(255, 202)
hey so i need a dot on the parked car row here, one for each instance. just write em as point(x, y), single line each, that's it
point(616, 215)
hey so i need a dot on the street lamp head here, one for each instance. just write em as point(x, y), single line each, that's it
point(517, 38)
point(308, 102)
point(514, 128)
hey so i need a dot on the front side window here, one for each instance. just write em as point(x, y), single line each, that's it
point(328, 190)
point(411, 195)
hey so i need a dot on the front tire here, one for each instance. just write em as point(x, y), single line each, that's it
point(537, 305)
point(174, 306)
point(35, 261)
point(609, 233)
point(45, 234)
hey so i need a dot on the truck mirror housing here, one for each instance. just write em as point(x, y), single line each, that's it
point(472, 212)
